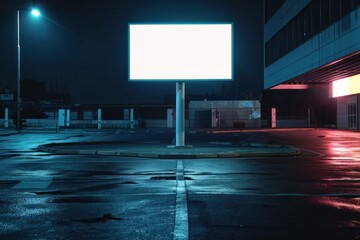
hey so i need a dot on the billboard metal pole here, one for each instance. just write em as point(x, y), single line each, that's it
point(180, 114)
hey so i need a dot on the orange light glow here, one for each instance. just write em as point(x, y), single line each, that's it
point(346, 86)
point(291, 86)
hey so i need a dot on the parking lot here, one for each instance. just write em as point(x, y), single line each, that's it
point(314, 195)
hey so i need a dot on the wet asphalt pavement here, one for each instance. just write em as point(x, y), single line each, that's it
point(312, 196)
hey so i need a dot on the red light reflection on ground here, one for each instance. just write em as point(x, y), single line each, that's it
point(352, 204)
point(346, 205)
point(258, 130)
point(339, 145)
point(340, 151)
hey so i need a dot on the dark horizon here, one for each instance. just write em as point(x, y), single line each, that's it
point(82, 45)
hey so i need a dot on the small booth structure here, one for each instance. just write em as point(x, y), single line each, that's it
point(225, 114)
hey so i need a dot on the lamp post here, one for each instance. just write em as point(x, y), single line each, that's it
point(35, 13)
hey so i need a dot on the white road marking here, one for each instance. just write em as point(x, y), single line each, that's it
point(181, 228)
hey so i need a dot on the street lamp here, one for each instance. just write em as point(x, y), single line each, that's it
point(35, 13)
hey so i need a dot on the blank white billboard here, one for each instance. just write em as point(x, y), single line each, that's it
point(180, 52)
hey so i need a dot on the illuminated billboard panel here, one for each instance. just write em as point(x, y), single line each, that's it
point(180, 52)
point(346, 86)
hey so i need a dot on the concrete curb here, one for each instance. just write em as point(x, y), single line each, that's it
point(286, 151)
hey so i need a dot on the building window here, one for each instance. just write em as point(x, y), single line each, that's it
point(271, 6)
point(314, 18)
point(352, 116)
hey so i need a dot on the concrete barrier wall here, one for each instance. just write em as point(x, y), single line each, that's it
point(52, 123)
point(2, 123)
point(156, 123)
point(115, 123)
point(41, 123)
point(34, 123)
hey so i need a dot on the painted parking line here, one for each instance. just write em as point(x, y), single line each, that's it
point(181, 228)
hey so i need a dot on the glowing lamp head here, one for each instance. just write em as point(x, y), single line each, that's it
point(35, 12)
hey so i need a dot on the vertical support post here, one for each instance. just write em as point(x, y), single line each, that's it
point(67, 117)
point(127, 117)
point(213, 118)
point(99, 118)
point(358, 111)
point(309, 117)
point(18, 106)
point(131, 118)
point(169, 118)
point(61, 118)
point(180, 114)
point(6, 123)
point(273, 117)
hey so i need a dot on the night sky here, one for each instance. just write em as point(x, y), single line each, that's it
point(82, 46)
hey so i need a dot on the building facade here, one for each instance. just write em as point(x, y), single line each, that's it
point(315, 44)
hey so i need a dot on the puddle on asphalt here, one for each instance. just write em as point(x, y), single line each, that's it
point(168, 178)
point(128, 182)
point(97, 188)
point(57, 192)
point(98, 173)
point(163, 173)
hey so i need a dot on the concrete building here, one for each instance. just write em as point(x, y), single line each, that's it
point(315, 43)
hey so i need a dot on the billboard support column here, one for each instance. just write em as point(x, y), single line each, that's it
point(180, 114)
